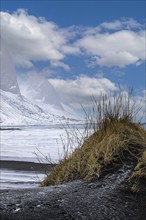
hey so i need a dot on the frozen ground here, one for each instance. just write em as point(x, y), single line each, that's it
point(30, 144)
point(19, 179)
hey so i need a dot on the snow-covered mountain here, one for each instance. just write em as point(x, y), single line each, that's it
point(39, 90)
point(18, 110)
point(7, 71)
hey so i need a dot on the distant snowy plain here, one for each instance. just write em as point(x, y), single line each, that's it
point(23, 144)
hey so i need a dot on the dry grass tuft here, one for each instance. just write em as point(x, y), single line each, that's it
point(115, 138)
point(139, 174)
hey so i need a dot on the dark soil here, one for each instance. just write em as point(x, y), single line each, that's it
point(101, 200)
point(9, 129)
point(26, 166)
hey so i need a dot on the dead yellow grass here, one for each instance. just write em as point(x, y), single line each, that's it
point(98, 151)
point(115, 138)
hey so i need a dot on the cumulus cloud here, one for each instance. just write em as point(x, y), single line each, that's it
point(34, 39)
point(116, 43)
point(120, 48)
point(123, 23)
point(116, 25)
point(80, 90)
point(60, 64)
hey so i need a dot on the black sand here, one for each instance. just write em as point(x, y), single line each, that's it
point(25, 166)
point(101, 200)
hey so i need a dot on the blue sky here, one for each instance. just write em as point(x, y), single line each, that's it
point(88, 41)
point(79, 12)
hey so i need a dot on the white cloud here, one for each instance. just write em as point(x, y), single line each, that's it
point(80, 90)
point(116, 43)
point(124, 23)
point(120, 59)
point(33, 39)
point(78, 93)
point(60, 64)
point(116, 25)
point(120, 48)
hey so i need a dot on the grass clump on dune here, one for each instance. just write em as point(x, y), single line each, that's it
point(115, 139)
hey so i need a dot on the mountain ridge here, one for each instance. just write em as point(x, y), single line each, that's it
point(17, 110)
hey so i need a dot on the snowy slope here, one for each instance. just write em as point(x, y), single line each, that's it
point(42, 93)
point(17, 110)
point(36, 87)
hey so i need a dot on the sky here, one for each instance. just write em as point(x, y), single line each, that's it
point(83, 47)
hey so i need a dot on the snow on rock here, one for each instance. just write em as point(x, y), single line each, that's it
point(39, 89)
point(7, 71)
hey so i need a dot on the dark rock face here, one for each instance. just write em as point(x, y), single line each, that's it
point(77, 200)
